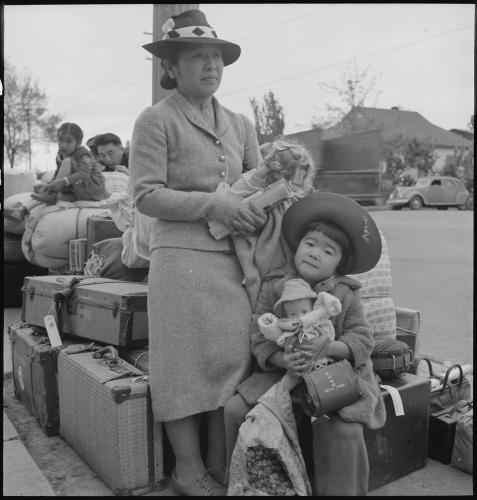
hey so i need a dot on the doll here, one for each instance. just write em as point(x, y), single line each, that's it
point(302, 315)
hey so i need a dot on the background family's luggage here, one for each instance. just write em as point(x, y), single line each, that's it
point(49, 229)
point(101, 309)
point(106, 417)
point(77, 255)
point(400, 447)
point(442, 430)
point(12, 248)
point(105, 260)
point(13, 278)
point(34, 372)
point(100, 227)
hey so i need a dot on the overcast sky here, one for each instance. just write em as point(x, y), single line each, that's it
point(90, 62)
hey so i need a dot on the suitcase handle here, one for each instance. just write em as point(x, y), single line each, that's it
point(107, 350)
point(461, 378)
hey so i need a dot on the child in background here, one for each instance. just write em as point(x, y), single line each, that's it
point(77, 176)
point(331, 236)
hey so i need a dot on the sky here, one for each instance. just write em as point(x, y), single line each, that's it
point(90, 62)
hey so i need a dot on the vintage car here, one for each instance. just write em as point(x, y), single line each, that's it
point(434, 191)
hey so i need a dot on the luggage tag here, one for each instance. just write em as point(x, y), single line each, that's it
point(52, 329)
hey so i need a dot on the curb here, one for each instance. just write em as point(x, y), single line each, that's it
point(21, 474)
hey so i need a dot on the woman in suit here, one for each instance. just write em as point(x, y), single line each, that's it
point(185, 151)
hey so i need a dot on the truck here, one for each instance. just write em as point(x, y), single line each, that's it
point(350, 164)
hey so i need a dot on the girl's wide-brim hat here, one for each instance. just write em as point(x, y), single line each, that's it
point(350, 216)
point(190, 26)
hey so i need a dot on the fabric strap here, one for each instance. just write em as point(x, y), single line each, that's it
point(396, 399)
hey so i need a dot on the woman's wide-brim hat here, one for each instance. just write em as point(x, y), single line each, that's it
point(350, 216)
point(190, 26)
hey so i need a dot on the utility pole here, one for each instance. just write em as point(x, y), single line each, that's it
point(27, 111)
point(160, 13)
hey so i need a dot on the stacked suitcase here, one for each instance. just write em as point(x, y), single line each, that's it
point(97, 401)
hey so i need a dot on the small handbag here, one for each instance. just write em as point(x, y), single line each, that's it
point(446, 391)
point(328, 389)
point(391, 358)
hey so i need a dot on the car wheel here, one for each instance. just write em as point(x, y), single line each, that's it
point(415, 203)
point(442, 207)
point(469, 202)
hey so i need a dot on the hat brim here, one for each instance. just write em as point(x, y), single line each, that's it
point(359, 226)
point(165, 48)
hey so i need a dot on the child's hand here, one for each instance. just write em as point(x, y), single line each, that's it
point(289, 325)
point(317, 345)
point(296, 362)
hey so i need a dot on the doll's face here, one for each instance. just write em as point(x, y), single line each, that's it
point(295, 309)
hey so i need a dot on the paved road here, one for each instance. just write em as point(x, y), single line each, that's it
point(432, 271)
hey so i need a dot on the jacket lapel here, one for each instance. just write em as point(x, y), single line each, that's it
point(196, 119)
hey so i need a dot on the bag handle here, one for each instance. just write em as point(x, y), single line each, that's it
point(461, 378)
point(417, 360)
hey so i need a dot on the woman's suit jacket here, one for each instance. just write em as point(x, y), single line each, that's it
point(177, 161)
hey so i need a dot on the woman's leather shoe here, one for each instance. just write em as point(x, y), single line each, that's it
point(198, 486)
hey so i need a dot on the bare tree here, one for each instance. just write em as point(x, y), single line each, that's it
point(26, 118)
point(355, 88)
point(269, 117)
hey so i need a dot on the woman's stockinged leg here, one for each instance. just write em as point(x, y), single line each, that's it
point(183, 435)
point(190, 477)
point(215, 461)
point(340, 458)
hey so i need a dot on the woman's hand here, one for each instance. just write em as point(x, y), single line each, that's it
point(250, 219)
point(238, 216)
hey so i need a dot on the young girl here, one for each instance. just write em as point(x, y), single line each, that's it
point(77, 175)
point(331, 236)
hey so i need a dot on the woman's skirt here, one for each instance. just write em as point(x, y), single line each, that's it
point(199, 319)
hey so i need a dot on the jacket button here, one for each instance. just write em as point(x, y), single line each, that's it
point(217, 143)
point(222, 158)
point(222, 174)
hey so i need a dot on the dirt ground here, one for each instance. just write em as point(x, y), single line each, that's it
point(64, 469)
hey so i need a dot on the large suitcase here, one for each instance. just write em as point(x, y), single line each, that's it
point(400, 447)
point(101, 309)
point(13, 277)
point(34, 369)
point(106, 417)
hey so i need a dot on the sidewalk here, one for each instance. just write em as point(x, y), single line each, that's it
point(23, 477)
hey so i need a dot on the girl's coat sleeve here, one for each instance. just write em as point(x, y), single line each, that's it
point(357, 333)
